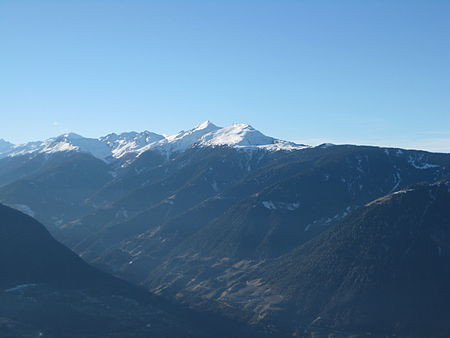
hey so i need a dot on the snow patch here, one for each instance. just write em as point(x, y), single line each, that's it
point(23, 208)
point(397, 180)
point(404, 191)
point(326, 145)
point(291, 206)
point(215, 186)
point(419, 163)
point(269, 205)
point(20, 287)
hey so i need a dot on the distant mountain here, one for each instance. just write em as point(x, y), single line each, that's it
point(74, 142)
point(5, 146)
point(66, 177)
point(63, 143)
point(131, 142)
point(182, 140)
point(48, 291)
point(246, 137)
point(241, 136)
point(128, 145)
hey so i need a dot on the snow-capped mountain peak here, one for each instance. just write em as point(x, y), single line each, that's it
point(129, 142)
point(69, 136)
point(75, 142)
point(62, 143)
point(205, 125)
point(183, 140)
point(193, 134)
point(240, 135)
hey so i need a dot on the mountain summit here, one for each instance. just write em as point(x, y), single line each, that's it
point(71, 141)
point(241, 135)
point(182, 140)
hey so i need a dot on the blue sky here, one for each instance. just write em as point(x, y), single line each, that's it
point(365, 72)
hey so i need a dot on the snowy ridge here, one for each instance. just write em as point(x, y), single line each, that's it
point(245, 136)
point(206, 134)
point(23, 149)
point(74, 142)
point(242, 136)
point(130, 142)
point(62, 143)
point(182, 140)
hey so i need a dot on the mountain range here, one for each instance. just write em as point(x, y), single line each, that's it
point(133, 144)
point(289, 239)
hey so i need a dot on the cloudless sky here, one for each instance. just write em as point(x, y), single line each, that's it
point(365, 72)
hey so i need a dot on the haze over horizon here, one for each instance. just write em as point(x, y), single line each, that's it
point(307, 72)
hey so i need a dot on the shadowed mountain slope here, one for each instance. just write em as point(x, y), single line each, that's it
point(382, 269)
point(48, 291)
